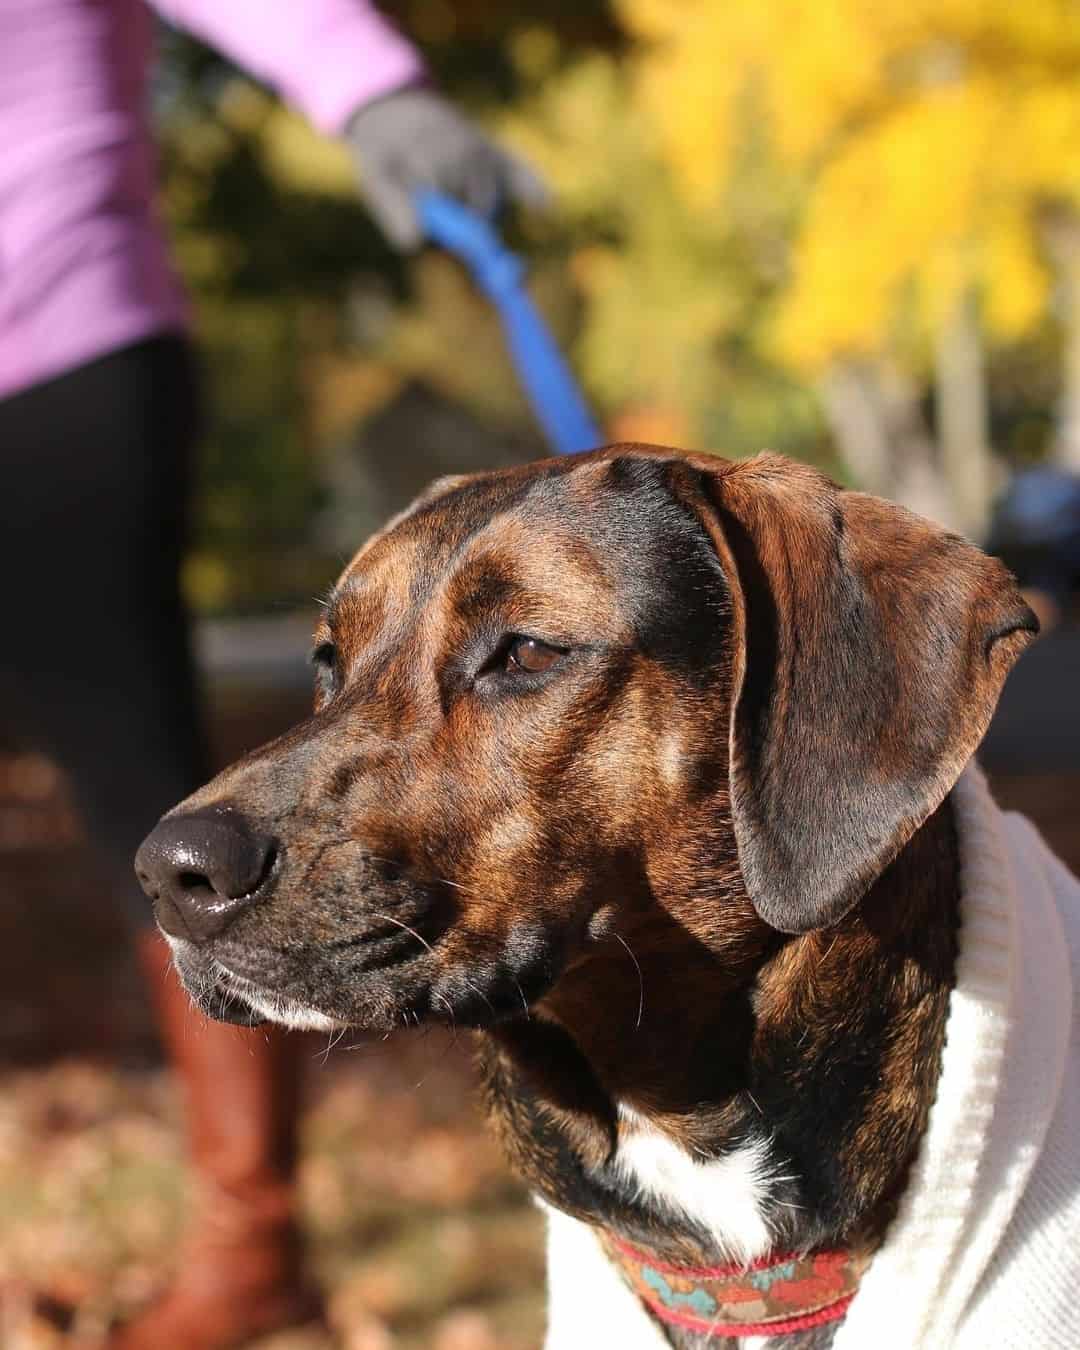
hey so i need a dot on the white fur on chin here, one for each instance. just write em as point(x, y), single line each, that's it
point(286, 1012)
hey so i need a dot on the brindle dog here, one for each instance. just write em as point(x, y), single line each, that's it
point(639, 763)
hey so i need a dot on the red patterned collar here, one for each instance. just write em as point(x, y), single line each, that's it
point(765, 1298)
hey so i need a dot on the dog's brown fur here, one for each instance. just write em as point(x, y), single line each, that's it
point(704, 868)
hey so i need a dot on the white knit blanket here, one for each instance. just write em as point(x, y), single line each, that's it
point(985, 1251)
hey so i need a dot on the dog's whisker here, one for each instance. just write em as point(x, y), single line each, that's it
point(477, 990)
point(418, 1085)
point(457, 886)
point(231, 998)
point(334, 1038)
point(641, 982)
point(405, 928)
point(439, 881)
point(450, 1012)
point(524, 1000)
point(231, 994)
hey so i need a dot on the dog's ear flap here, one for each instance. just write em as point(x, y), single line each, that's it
point(870, 650)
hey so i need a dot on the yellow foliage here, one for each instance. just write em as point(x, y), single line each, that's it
point(654, 296)
point(1018, 298)
point(927, 136)
point(205, 582)
point(302, 159)
point(295, 154)
point(534, 51)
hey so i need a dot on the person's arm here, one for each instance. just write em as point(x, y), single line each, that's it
point(351, 72)
point(326, 57)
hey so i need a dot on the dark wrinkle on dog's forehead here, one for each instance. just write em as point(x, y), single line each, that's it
point(402, 564)
point(403, 567)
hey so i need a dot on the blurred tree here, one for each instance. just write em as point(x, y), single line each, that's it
point(930, 141)
point(308, 322)
point(779, 223)
point(271, 239)
point(674, 298)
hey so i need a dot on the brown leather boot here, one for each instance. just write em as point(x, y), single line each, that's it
point(239, 1274)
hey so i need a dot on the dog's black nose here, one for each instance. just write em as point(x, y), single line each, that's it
point(201, 871)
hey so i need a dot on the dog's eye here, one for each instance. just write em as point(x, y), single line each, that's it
point(531, 656)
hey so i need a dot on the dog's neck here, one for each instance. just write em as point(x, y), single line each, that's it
point(804, 1064)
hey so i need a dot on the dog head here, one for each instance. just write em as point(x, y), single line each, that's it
point(631, 679)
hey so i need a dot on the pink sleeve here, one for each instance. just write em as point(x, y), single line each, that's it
point(326, 57)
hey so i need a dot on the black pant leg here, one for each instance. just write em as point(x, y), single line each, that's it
point(95, 655)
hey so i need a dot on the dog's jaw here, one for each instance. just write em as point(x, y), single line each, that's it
point(286, 1012)
point(225, 996)
point(481, 996)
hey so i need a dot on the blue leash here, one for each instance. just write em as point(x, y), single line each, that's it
point(555, 396)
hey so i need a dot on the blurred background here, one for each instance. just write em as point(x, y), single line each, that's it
point(847, 232)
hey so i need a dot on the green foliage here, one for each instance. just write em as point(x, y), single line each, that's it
point(267, 261)
point(280, 257)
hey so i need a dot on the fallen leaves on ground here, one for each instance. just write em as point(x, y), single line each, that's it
point(417, 1232)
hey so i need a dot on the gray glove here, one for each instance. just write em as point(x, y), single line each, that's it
point(414, 138)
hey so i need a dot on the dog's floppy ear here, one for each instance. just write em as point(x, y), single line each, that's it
point(870, 650)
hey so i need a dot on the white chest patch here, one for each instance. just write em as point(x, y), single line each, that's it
point(725, 1196)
